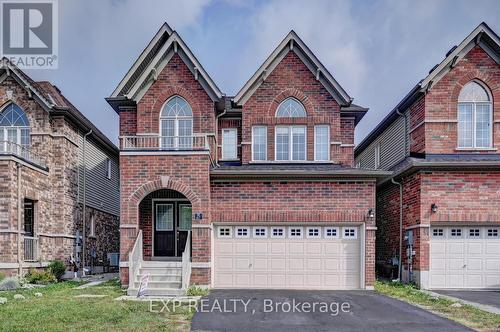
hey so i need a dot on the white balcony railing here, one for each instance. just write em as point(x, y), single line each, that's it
point(30, 249)
point(11, 148)
point(164, 143)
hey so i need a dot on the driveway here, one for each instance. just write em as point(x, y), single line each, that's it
point(289, 310)
point(491, 298)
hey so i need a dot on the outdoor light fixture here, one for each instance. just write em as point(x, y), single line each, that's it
point(370, 213)
point(434, 207)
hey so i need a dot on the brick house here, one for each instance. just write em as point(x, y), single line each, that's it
point(441, 142)
point(256, 190)
point(55, 167)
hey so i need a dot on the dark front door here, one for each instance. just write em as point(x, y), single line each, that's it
point(171, 223)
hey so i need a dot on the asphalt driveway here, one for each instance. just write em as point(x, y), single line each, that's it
point(289, 310)
point(491, 298)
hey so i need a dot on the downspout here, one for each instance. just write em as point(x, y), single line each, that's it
point(19, 215)
point(84, 199)
point(400, 260)
point(217, 134)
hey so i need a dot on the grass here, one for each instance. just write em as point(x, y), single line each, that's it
point(466, 315)
point(59, 310)
point(194, 290)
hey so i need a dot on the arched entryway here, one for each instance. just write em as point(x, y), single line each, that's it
point(165, 218)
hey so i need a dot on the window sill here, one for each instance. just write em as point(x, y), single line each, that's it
point(476, 149)
point(290, 162)
point(236, 159)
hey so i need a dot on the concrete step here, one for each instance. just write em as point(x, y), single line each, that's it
point(162, 277)
point(157, 292)
point(160, 270)
point(160, 264)
point(160, 284)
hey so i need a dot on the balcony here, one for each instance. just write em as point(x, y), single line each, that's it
point(8, 148)
point(166, 143)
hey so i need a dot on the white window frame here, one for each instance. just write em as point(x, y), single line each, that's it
point(92, 225)
point(349, 237)
point(473, 230)
point(224, 144)
point(309, 236)
point(492, 232)
point(224, 236)
point(290, 143)
point(336, 229)
point(260, 236)
point(474, 105)
point(253, 142)
point(176, 119)
point(295, 228)
point(236, 235)
point(457, 231)
point(282, 236)
point(377, 156)
point(327, 142)
point(108, 168)
point(437, 232)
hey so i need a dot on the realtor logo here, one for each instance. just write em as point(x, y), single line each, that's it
point(29, 33)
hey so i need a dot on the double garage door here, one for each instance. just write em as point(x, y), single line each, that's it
point(464, 257)
point(293, 257)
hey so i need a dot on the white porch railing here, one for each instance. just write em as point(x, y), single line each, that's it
point(135, 260)
point(11, 148)
point(186, 263)
point(30, 249)
point(164, 143)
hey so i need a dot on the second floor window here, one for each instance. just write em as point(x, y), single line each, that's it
point(259, 143)
point(229, 143)
point(291, 108)
point(322, 143)
point(14, 129)
point(290, 143)
point(474, 117)
point(176, 124)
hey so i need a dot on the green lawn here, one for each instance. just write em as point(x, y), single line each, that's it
point(466, 315)
point(60, 310)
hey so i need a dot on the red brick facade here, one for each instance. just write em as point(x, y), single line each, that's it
point(145, 175)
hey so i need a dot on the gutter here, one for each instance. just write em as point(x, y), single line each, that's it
point(400, 268)
point(302, 174)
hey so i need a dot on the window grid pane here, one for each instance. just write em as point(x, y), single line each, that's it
point(321, 143)
point(164, 217)
point(291, 108)
point(186, 216)
point(229, 143)
point(483, 125)
point(259, 148)
point(282, 143)
point(299, 143)
point(465, 125)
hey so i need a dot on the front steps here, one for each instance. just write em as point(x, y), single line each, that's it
point(165, 279)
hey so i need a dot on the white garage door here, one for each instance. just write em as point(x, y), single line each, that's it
point(464, 257)
point(296, 257)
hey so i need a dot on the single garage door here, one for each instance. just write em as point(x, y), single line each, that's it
point(464, 257)
point(294, 257)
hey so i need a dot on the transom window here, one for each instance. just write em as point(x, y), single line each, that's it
point(437, 232)
point(290, 143)
point(291, 108)
point(456, 232)
point(474, 232)
point(322, 143)
point(474, 117)
point(176, 124)
point(492, 232)
point(14, 129)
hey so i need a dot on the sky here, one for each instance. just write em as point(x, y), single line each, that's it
point(377, 50)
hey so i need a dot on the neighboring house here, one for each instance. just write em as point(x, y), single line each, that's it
point(48, 151)
point(257, 190)
point(442, 143)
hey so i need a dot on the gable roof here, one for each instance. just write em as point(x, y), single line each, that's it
point(50, 98)
point(292, 42)
point(144, 72)
point(482, 35)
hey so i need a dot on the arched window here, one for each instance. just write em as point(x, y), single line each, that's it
point(291, 108)
point(474, 117)
point(176, 124)
point(14, 129)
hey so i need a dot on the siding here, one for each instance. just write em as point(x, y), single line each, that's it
point(394, 147)
point(102, 193)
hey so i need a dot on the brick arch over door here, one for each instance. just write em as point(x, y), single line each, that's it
point(165, 182)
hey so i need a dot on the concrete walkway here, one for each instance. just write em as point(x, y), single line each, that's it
point(97, 279)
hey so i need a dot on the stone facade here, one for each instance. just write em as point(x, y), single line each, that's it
point(48, 177)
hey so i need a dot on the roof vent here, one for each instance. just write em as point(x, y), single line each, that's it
point(432, 69)
point(450, 51)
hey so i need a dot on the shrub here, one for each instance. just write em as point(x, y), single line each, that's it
point(9, 284)
point(58, 268)
point(194, 290)
point(41, 277)
point(2, 276)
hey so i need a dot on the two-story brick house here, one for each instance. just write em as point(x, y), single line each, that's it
point(252, 191)
point(442, 143)
point(55, 167)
